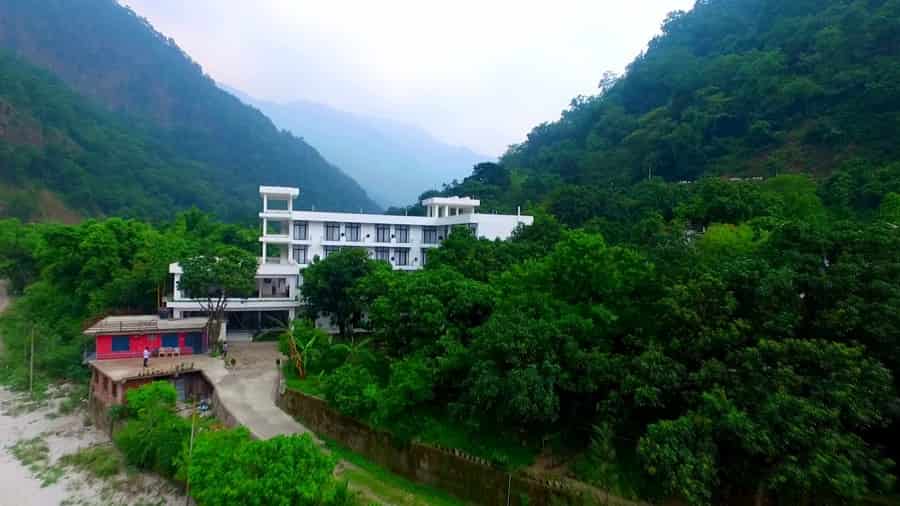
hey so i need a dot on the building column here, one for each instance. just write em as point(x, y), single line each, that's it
point(176, 292)
point(290, 248)
point(265, 202)
point(263, 252)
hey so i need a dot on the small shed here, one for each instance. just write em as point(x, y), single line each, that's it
point(119, 337)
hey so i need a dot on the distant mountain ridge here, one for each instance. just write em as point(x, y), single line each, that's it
point(202, 137)
point(394, 161)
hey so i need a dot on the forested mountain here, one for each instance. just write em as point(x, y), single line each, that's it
point(731, 88)
point(175, 138)
point(393, 161)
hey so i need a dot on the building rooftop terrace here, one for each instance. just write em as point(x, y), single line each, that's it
point(144, 323)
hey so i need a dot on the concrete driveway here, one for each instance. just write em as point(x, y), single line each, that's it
point(248, 390)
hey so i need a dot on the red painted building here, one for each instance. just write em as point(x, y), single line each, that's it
point(127, 336)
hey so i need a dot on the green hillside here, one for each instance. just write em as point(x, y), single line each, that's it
point(151, 132)
point(731, 88)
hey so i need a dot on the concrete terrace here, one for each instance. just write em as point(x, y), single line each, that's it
point(246, 391)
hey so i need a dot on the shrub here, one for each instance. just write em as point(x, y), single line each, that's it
point(154, 442)
point(227, 467)
point(352, 390)
point(152, 438)
point(152, 397)
point(101, 461)
point(411, 383)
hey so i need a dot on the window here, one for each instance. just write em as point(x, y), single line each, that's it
point(300, 231)
point(402, 256)
point(115, 389)
point(300, 254)
point(429, 235)
point(353, 232)
point(402, 232)
point(382, 233)
point(332, 231)
point(424, 256)
point(121, 343)
point(329, 250)
point(383, 254)
point(170, 340)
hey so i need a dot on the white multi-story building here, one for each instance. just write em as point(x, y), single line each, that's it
point(292, 239)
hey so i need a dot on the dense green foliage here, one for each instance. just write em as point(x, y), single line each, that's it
point(214, 276)
point(329, 287)
point(228, 467)
point(69, 276)
point(53, 138)
point(225, 466)
point(738, 340)
point(162, 136)
point(731, 88)
point(151, 438)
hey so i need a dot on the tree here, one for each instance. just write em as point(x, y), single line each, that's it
point(786, 418)
point(17, 254)
point(304, 336)
point(228, 467)
point(212, 279)
point(889, 210)
point(147, 438)
point(329, 286)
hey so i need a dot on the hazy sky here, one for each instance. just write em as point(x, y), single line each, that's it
point(479, 73)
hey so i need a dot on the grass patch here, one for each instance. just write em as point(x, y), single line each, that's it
point(435, 427)
point(311, 385)
point(102, 461)
point(76, 395)
point(385, 485)
point(35, 455)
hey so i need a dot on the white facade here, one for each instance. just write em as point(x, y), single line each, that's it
point(291, 240)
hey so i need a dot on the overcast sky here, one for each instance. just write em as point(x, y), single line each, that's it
point(479, 73)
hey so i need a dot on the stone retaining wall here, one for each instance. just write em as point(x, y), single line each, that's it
point(469, 478)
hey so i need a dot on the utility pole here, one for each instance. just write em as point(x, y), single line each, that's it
point(187, 487)
point(31, 367)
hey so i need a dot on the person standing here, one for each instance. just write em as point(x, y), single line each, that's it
point(146, 356)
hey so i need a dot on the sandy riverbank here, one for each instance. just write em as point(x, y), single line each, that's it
point(65, 434)
point(62, 434)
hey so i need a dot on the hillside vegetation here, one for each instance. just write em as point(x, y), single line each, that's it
point(731, 88)
point(152, 134)
point(707, 305)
